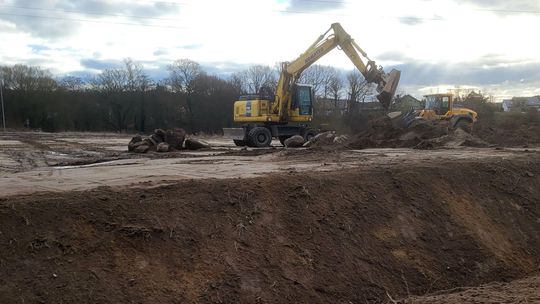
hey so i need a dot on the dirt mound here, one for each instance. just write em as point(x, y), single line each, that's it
point(453, 139)
point(526, 134)
point(351, 236)
point(383, 134)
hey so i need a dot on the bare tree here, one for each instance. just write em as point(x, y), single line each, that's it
point(71, 83)
point(115, 84)
point(318, 76)
point(28, 78)
point(235, 80)
point(258, 76)
point(335, 87)
point(182, 73)
point(136, 79)
point(112, 81)
point(358, 88)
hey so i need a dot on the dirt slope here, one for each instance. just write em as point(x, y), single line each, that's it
point(351, 236)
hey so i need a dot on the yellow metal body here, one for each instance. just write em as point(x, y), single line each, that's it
point(441, 107)
point(259, 111)
point(282, 109)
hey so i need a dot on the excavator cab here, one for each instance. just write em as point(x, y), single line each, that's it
point(302, 100)
point(438, 104)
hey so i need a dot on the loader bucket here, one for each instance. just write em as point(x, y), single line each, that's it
point(389, 89)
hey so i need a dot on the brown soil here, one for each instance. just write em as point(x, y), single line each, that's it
point(429, 135)
point(349, 236)
point(526, 134)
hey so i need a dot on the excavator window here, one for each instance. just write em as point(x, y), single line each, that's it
point(439, 104)
point(303, 100)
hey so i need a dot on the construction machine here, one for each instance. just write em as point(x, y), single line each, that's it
point(288, 110)
point(441, 107)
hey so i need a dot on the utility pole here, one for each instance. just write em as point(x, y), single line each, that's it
point(2, 99)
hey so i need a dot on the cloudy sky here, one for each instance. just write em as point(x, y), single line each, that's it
point(437, 44)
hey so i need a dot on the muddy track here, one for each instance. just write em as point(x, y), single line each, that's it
point(356, 235)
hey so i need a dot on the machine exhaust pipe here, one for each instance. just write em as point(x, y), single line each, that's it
point(389, 87)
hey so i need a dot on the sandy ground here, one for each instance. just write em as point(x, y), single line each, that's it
point(32, 162)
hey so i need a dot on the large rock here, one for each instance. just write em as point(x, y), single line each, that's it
point(341, 139)
point(155, 139)
point(141, 149)
point(295, 141)
point(321, 139)
point(162, 147)
point(134, 142)
point(194, 144)
point(175, 138)
point(160, 133)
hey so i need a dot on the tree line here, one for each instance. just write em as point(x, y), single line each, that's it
point(126, 99)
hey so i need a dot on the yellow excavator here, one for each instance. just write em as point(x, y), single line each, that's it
point(289, 110)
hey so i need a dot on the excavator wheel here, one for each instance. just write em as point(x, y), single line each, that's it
point(259, 137)
point(309, 134)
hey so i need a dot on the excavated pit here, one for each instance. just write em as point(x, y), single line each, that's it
point(358, 235)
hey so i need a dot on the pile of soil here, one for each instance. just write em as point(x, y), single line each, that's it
point(522, 135)
point(382, 133)
point(353, 236)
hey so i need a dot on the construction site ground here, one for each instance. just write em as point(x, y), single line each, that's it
point(84, 221)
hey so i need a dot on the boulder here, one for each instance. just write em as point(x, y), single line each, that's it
point(134, 142)
point(341, 139)
point(160, 133)
point(175, 138)
point(155, 139)
point(194, 144)
point(295, 141)
point(321, 139)
point(141, 148)
point(162, 147)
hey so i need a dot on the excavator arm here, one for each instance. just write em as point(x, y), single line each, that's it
point(291, 71)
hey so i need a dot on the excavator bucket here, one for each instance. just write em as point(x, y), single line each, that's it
point(389, 89)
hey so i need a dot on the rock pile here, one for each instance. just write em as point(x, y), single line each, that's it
point(165, 141)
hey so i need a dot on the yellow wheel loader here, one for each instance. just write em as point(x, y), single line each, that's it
point(288, 110)
point(441, 107)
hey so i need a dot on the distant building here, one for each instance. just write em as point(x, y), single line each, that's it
point(327, 105)
point(406, 102)
point(521, 104)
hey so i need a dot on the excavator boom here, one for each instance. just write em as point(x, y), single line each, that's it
point(386, 83)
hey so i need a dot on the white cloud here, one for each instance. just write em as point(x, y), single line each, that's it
point(447, 33)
